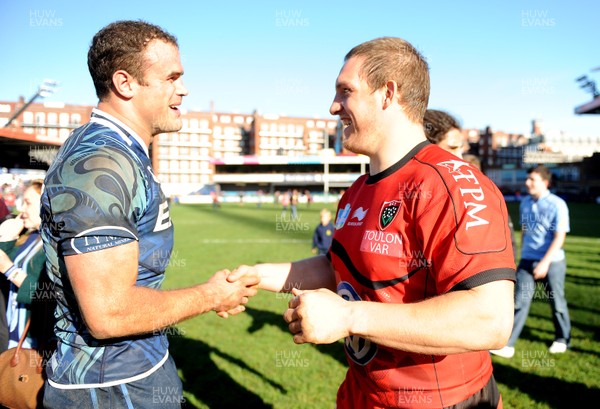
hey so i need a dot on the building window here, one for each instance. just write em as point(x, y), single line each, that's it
point(52, 118)
point(28, 117)
point(40, 118)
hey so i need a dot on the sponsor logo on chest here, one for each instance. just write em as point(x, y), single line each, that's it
point(380, 242)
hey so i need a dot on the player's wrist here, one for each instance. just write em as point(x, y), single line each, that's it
point(206, 299)
point(356, 323)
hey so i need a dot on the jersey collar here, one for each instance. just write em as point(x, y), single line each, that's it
point(125, 132)
point(385, 173)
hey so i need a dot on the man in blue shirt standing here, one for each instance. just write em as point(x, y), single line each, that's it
point(544, 226)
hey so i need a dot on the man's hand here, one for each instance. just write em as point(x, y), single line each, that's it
point(229, 296)
point(318, 317)
point(243, 271)
point(541, 270)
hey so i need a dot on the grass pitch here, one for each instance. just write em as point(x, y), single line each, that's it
point(250, 360)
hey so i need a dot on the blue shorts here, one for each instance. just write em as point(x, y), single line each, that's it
point(162, 389)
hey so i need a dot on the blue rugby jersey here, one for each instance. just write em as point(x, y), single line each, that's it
point(100, 192)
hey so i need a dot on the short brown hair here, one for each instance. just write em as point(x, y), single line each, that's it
point(37, 185)
point(437, 124)
point(392, 58)
point(541, 170)
point(120, 46)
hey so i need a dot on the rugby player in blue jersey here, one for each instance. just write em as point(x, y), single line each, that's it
point(108, 235)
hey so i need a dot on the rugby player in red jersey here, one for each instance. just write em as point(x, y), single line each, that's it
point(419, 279)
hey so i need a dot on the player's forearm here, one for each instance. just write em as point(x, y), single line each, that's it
point(307, 274)
point(456, 322)
point(143, 310)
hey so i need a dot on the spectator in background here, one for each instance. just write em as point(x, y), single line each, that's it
point(309, 198)
point(544, 227)
point(444, 130)
point(22, 261)
point(3, 210)
point(294, 198)
point(284, 199)
point(323, 234)
point(4, 284)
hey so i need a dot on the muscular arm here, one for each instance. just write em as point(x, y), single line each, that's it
point(476, 319)
point(112, 305)
point(310, 273)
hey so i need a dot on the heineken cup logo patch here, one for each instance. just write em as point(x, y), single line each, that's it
point(388, 213)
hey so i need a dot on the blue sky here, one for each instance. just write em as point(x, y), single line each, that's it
point(492, 62)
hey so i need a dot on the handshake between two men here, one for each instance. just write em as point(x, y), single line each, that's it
point(314, 316)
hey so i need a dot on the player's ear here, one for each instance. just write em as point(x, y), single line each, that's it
point(390, 92)
point(124, 84)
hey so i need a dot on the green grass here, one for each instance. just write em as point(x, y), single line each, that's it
point(250, 360)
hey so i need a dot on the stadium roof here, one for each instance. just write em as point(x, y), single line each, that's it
point(592, 107)
point(20, 149)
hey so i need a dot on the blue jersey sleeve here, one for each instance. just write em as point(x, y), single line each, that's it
point(94, 199)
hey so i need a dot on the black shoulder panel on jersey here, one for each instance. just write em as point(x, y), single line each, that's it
point(485, 277)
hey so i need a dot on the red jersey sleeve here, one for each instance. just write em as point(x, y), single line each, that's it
point(464, 227)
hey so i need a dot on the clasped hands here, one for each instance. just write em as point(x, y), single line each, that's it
point(313, 316)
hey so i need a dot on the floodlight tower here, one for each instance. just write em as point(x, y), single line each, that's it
point(46, 88)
